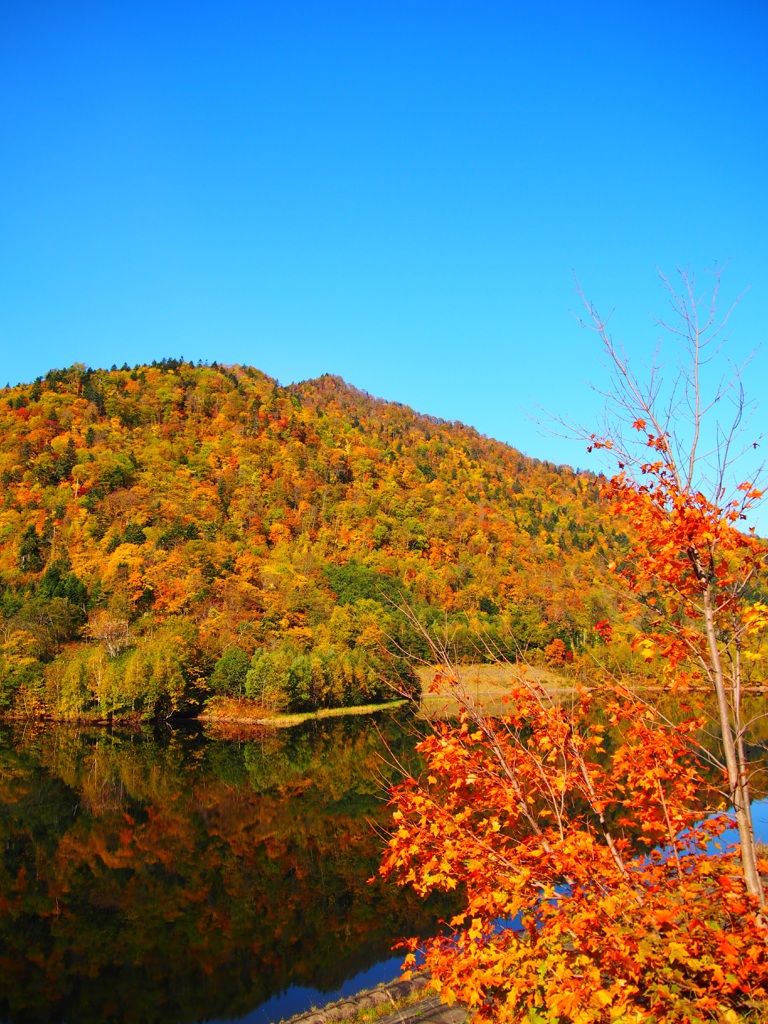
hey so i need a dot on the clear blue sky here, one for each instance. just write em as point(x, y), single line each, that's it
point(394, 192)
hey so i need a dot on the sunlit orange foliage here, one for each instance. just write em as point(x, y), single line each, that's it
point(695, 576)
point(584, 849)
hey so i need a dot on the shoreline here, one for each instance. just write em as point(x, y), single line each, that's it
point(210, 717)
point(288, 720)
point(403, 1001)
point(432, 704)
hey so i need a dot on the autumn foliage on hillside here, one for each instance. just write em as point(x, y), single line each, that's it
point(172, 531)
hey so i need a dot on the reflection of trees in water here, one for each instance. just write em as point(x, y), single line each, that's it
point(175, 878)
point(169, 876)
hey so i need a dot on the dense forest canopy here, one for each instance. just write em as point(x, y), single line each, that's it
point(173, 531)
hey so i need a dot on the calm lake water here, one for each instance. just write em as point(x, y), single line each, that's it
point(174, 876)
point(167, 876)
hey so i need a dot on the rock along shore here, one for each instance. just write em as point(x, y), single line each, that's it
point(428, 1010)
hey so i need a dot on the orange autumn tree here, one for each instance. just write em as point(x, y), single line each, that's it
point(581, 851)
point(580, 831)
point(692, 574)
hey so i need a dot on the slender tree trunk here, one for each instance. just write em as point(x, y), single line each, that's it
point(734, 759)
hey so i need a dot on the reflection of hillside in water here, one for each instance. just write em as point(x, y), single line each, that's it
point(178, 878)
point(173, 877)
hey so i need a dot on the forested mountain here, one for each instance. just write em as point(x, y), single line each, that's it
point(172, 531)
